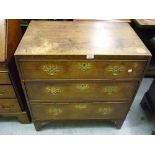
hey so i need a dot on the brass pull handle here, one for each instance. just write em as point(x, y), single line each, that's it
point(111, 90)
point(104, 110)
point(84, 66)
point(115, 69)
point(81, 106)
point(51, 69)
point(53, 90)
point(55, 111)
point(82, 86)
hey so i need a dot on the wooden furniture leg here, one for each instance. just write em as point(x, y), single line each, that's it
point(37, 125)
point(118, 123)
point(23, 118)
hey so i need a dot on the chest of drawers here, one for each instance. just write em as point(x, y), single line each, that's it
point(80, 70)
point(11, 98)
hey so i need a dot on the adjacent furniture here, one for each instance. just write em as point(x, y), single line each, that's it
point(145, 22)
point(145, 28)
point(148, 102)
point(12, 101)
point(80, 70)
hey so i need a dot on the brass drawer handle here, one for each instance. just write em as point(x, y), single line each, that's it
point(81, 106)
point(55, 111)
point(82, 86)
point(51, 70)
point(111, 90)
point(53, 90)
point(104, 110)
point(84, 66)
point(115, 69)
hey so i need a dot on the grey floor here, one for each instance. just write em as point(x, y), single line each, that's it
point(136, 123)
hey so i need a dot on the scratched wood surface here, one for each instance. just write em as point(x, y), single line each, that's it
point(80, 38)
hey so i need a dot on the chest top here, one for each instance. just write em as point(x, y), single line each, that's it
point(2, 40)
point(80, 38)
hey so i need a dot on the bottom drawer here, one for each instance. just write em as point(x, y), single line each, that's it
point(79, 111)
point(9, 106)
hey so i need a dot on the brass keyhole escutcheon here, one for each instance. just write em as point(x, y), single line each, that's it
point(82, 86)
point(84, 66)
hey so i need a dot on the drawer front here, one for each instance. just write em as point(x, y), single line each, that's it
point(81, 69)
point(3, 67)
point(4, 78)
point(79, 111)
point(7, 91)
point(9, 106)
point(80, 91)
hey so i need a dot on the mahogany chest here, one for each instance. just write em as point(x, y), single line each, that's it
point(78, 70)
point(11, 98)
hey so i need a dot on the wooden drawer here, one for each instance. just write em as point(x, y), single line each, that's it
point(9, 106)
point(68, 91)
point(7, 91)
point(3, 67)
point(4, 78)
point(79, 111)
point(65, 69)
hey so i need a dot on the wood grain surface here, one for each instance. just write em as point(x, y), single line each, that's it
point(81, 69)
point(80, 38)
point(9, 106)
point(79, 111)
point(80, 91)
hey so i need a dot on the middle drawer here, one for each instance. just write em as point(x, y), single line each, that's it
point(68, 91)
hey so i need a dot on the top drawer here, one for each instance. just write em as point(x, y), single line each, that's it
point(78, 69)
